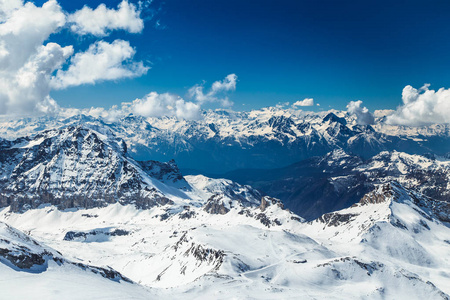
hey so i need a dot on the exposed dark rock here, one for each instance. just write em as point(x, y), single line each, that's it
point(89, 216)
point(210, 256)
point(263, 219)
point(166, 172)
point(72, 235)
point(267, 201)
point(336, 219)
point(187, 213)
point(24, 259)
point(164, 217)
point(299, 261)
point(377, 197)
point(215, 206)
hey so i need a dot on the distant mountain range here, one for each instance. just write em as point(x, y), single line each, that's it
point(224, 141)
point(337, 180)
point(314, 162)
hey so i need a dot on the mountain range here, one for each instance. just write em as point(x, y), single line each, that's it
point(290, 203)
point(223, 141)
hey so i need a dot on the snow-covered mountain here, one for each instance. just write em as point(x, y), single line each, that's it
point(394, 230)
point(391, 245)
point(81, 216)
point(224, 140)
point(337, 180)
point(77, 167)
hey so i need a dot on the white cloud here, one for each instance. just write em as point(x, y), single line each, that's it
point(102, 20)
point(102, 61)
point(227, 84)
point(25, 28)
point(25, 64)
point(380, 113)
point(165, 104)
point(152, 105)
point(217, 92)
point(157, 105)
point(30, 67)
point(363, 116)
point(282, 105)
point(7, 7)
point(422, 106)
point(305, 102)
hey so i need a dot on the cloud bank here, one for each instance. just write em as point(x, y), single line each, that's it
point(158, 105)
point(422, 106)
point(31, 68)
point(166, 104)
point(363, 116)
point(152, 105)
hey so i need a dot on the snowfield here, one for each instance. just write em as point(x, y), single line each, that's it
point(391, 245)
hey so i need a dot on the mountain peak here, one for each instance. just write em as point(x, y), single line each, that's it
point(331, 117)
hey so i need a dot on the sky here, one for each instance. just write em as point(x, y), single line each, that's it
point(239, 54)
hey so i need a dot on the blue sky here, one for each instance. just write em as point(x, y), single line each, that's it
point(332, 51)
point(281, 51)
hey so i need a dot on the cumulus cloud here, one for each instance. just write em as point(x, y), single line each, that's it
point(422, 106)
point(217, 92)
point(30, 67)
point(380, 113)
point(304, 102)
point(157, 105)
point(25, 64)
point(8, 6)
point(152, 105)
point(102, 61)
point(363, 116)
point(24, 29)
point(102, 20)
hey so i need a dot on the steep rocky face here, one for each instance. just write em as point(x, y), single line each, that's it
point(166, 172)
point(216, 205)
point(79, 167)
point(380, 195)
point(267, 201)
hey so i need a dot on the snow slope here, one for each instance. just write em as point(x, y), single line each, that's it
point(392, 245)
